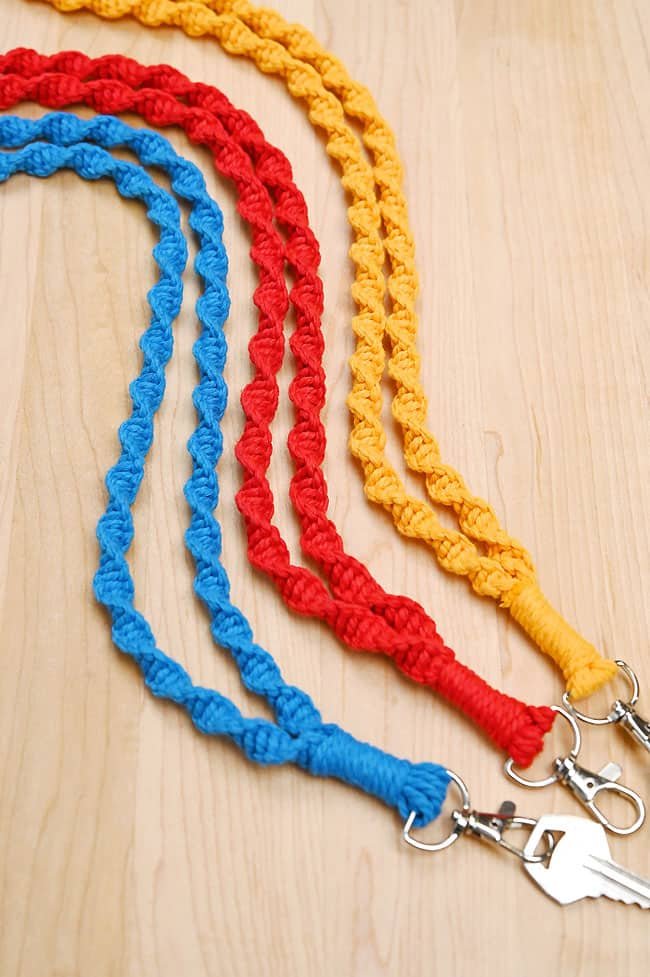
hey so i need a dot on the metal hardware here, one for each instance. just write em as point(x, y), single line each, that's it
point(456, 831)
point(489, 827)
point(581, 866)
point(585, 784)
point(622, 712)
point(492, 827)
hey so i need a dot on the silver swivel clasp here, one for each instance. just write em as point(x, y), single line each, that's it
point(584, 784)
point(494, 828)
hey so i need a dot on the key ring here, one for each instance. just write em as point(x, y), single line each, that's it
point(609, 718)
point(490, 827)
point(584, 783)
point(554, 778)
point(621, 713)
point(456, 831)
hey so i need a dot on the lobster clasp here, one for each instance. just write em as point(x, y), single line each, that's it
point(587, 785)
point(488, 827)
point(584, 784)
point(496, 827)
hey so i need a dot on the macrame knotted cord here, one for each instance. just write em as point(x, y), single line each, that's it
point(362, 614)
point(495, 564)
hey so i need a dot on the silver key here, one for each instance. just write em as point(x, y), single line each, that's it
point(581, 866)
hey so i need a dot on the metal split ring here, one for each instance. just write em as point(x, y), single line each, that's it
point(456, 831)
point(611, 717)
point(509, 765)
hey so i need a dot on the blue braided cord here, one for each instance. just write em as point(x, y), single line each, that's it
point(301, 737)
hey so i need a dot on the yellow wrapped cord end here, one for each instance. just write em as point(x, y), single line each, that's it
point(585, 670)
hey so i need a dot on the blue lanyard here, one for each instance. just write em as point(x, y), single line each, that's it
point(299, 735)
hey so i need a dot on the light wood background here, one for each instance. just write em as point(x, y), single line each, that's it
point(130, 846)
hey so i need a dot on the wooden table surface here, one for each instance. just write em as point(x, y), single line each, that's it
point(131, 846)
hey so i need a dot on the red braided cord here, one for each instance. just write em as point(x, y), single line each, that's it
point(361, 613)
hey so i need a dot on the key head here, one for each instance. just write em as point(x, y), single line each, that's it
point(565, 877)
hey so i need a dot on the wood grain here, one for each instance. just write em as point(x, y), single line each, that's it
point(129, 845)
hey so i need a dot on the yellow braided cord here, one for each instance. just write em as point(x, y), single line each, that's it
point(502, 569)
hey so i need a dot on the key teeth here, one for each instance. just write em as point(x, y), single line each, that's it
point(621, 886)
point(630, 900)
point(610, 890)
